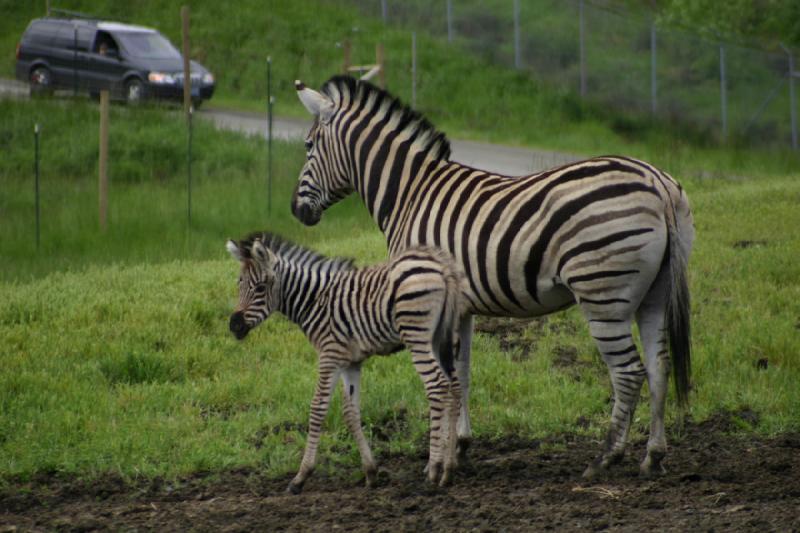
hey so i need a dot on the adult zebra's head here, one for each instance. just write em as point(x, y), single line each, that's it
point(259, 288)
point(324, 179)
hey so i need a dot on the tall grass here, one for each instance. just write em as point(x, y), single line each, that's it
point(148, 192)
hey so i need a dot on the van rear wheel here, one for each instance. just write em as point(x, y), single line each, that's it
point(134, 91)
point(41, 80)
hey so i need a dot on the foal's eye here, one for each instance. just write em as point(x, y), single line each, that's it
point(309, 146)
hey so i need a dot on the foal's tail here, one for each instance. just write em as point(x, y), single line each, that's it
point(446, 336)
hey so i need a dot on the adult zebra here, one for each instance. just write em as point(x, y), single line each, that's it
point(611, 233)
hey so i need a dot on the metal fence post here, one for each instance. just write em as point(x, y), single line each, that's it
point(449, 21)
point(653, 78)
point(414, 69)
point(269, 136)
point(384, 11)
point(36, 172)
point(75, 62)
point(582, 50)
point(792, 107)
point(102, 185)
point(723, 91)
point(517, 56)
point(189, 168)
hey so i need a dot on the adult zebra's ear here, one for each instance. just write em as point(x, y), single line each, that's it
point(233, 249)
point(317, 104)
point(263, 255)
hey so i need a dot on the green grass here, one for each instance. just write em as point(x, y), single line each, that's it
point(114, 347)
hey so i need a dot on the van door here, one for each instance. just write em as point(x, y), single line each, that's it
point(68, 61)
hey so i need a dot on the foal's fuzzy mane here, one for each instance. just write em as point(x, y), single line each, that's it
point(436, 143)
point(293, 252)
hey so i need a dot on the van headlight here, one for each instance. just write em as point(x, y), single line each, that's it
point(208, 78)
point(161, 78)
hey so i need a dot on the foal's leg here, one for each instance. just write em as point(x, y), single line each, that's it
point(450, 432)
point(329, 370)
point(436, 390)
point(351, 385)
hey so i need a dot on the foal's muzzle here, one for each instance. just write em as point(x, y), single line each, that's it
point(238, 326)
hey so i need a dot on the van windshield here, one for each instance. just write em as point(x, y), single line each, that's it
point(149, 45)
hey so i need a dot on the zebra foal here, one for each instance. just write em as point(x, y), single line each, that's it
point(349, 314)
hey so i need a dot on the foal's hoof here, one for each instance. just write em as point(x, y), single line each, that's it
point(433, 470)
point(294, 488)
point(651, 467)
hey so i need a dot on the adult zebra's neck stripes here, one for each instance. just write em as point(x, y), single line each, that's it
point(612, 234)
point(349, 314)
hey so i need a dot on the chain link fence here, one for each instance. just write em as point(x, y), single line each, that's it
point(725, 91)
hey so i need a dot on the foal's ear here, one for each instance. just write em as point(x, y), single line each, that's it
point(263, 255)
point(234, 250)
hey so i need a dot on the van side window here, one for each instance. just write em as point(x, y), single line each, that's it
point(104, 44)
point(67, 38)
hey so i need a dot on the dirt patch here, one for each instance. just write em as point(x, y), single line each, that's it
point(749, 244)
point(715, 480)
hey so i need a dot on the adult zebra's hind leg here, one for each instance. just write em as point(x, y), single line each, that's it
point(651, 318)
point(615, 342)
point(463, 374)
point(351, 388)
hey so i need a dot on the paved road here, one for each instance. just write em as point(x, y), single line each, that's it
point(497, 158)
point(503, 159)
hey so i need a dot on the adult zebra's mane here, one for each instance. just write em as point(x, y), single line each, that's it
point(434, 141)
point(294, 253)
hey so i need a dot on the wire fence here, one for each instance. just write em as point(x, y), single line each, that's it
point(728, 91)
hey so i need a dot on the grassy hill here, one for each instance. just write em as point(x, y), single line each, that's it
point(466, 93)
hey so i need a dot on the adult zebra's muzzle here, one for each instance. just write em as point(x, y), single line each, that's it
point(305, 214)
point(238, 326)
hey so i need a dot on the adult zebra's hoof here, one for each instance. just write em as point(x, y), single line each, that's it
point(601, 464)
point(461, 448)
point(371, 477)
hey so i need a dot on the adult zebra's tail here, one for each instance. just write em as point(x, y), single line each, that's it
point(681, 235)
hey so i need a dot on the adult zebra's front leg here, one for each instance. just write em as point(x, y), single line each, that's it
point(351, 387)
point(615, 342)
point(329, 370)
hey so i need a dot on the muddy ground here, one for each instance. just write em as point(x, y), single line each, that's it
point(716, 480)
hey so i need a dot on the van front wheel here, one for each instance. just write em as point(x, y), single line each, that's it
point(134, 91)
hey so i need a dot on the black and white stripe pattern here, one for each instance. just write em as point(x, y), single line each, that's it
point(349, 314)
point(612, 234)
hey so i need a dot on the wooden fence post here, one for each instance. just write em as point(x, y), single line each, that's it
point(381, 65)
point(103, 163)
point(347, 49)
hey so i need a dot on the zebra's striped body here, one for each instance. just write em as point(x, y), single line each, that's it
point(349, 314)
point(612, 234)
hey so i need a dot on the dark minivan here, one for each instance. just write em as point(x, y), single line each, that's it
point(133, 62)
